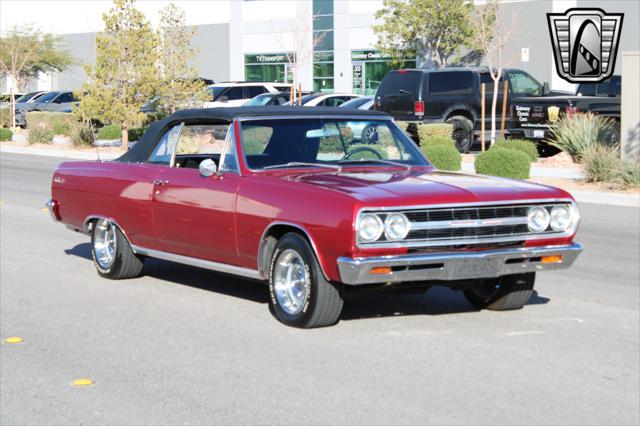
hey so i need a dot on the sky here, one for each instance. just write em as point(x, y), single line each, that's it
point(81, 16)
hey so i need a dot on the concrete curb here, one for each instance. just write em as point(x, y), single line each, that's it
point(60, 153)
point(608, 198)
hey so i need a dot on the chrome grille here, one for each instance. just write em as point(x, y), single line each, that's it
point(464, 225)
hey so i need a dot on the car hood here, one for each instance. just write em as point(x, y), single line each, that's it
point(424, 186)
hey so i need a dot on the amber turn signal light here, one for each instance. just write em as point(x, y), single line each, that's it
point(380, 270)
point(551, 259)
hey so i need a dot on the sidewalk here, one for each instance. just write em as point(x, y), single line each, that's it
point(61, 153)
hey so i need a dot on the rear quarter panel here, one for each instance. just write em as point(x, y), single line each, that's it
point(119, 191)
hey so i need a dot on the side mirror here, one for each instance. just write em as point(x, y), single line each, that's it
point(545, 88)
point(224, 99)
point(207, 167)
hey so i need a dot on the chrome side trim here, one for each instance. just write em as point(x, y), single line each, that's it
point(455, 266)
point(200, 263)
point(264, 269)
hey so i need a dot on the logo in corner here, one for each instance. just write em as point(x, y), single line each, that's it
point(585, 43)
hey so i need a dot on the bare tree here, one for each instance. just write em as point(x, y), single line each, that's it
point(299, 52)
point(491, 37)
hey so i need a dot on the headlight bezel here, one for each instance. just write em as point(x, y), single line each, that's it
point(388, 227)
point(359, 224)
point(546, 219)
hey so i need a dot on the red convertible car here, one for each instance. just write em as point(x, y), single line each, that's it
point(317, 202)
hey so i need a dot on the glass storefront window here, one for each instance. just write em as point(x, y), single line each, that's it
point(326, 43)
point(323, 23)
point(368, 67)
point(323, 84)
point(268, 73)
point(322, 7)
point(322, 57)
point(323, 70)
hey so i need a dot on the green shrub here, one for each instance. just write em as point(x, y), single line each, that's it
point(81, 135)
point(581, 132)
point(5, 117)
point(523, 145)
point(136, 133)
point(58, 123)
point(443, 156)
point(436, 129)
point(5, 134)
point(503, 162)
point(602, 163)
point(109, 132)
point(438, 140)
point(39, 135)
point(629, 174)
point(366, 152)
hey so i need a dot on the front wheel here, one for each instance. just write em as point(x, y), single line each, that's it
point(503, 293)
point(299, 295)
point(111, 252)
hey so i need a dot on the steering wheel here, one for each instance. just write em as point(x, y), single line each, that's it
point(362, 149)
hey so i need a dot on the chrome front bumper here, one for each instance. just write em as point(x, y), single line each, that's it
point(455, 266)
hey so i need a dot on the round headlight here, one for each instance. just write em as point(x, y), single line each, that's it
point(560, 218)
point(370, 228)
point(396, 226)
point(538, 219)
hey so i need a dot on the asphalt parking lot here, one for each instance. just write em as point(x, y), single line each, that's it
point(188, 346)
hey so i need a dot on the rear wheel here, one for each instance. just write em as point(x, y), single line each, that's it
point(299, 294)
point(111, 252)
point(462, 132)
point(503, 293)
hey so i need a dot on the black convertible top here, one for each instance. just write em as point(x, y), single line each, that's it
point(142, 149)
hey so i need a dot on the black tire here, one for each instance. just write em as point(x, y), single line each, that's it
point(462, 132)
point(324, 300)
point(126, 264)
point(502, 294)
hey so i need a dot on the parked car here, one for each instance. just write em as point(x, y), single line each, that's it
point(364, 103)
point(29, 97)
point(610, 87)
point(6, 98)
point(326, 99)
point(58, 101)
point(290, 198)
point(453, 95)
point(231, 94)
point(269, 99)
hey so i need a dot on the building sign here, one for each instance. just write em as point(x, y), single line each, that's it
point(357, 77)
point(266, 58)
point(369, 55)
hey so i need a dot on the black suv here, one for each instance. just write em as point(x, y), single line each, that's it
point(451, 95)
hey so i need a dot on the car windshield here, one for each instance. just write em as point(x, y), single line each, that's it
point(325, 142)
point(25, 98)
point(523, 83)
point(48, 97)
point(260, 100)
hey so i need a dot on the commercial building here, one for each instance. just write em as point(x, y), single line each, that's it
point(333, 39)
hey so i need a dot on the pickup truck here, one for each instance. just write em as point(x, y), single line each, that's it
point(293, 197)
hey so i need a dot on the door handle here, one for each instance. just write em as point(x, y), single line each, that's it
point(160, 182)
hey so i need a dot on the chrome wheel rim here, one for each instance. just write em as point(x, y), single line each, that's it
point(104, 243)
point(290, 282)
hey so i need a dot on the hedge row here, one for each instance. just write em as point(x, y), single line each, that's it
point(58, 123)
